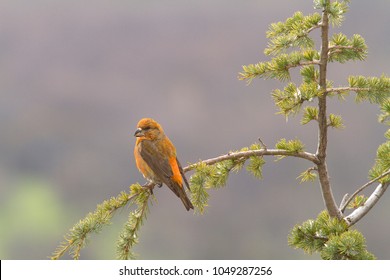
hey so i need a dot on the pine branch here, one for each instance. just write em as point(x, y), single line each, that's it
point(76, 239)
point(278, 68)
point(247, 154)
point(292, 33)
point(342, 49)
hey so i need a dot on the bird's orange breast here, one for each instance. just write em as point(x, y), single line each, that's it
point(142, 166)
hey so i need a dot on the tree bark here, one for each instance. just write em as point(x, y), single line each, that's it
point(323, 125)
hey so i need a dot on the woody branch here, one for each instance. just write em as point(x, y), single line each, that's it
point(260, 152)
point(322, 123)
point(348, 198)
point(360, 212)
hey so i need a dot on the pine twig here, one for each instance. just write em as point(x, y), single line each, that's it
point(341, 89)
point(262, 144)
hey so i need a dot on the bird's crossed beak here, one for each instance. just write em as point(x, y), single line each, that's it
point(139, 132)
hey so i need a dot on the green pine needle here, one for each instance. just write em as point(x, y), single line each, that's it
point(358, 201)
point(373, 89)
point(255, 166)
point(384, 117)
point(292, 146)
point(198, 185)
point(307, 176)
point(350, 245)
point(337, 10)
point(292, 33)
point(199, 198)
point(382, 163)
point(335, 121)
point(309, 114)
point(343, 49)
point(310, 74)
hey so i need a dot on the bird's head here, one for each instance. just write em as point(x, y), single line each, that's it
point(148, 129)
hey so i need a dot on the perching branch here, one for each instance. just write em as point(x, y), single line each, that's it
point(76, 239)
point(247, 154)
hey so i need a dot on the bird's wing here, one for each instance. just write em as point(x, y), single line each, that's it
point(157, 161)
point(182, 174)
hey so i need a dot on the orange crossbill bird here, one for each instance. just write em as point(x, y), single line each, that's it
point(155, 157)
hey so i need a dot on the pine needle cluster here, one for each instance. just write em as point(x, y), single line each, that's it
point(382, 161)
point(79, 234)
point(331, 238)
point(129, 235)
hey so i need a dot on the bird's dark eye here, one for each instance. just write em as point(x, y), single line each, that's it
point(147, 128)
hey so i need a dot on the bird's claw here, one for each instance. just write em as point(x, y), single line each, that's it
point(150, 186)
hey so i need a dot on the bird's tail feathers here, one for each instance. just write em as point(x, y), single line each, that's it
point(181, 193)
point(186, 201)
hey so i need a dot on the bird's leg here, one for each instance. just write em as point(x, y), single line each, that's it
point(150, 186)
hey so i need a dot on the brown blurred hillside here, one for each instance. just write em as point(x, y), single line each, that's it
point(75, 78)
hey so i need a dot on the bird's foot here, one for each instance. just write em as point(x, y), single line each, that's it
point(150, 186)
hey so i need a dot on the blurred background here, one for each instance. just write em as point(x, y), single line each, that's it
point(75, 78)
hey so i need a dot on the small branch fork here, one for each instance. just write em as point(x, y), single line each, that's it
point(348, 198)
point(360, 212)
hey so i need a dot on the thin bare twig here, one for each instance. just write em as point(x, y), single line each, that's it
point(345, 198)
point(262, 144)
